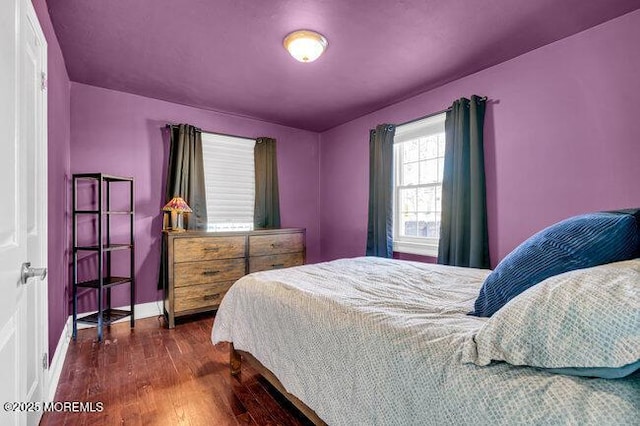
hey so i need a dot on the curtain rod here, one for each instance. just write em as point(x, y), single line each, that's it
point(483, 98)
point(172, 126)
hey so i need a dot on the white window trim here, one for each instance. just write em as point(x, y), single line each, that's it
point(422, 246)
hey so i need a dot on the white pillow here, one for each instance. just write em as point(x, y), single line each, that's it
point(588, 318)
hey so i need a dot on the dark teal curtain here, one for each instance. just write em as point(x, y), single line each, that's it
point(380, 227)
point(267, 204)
point(185, 178)
point(464, 239)
point(185, 175)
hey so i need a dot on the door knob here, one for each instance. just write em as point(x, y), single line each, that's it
point(28, 272)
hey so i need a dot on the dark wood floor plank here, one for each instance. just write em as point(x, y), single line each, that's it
point(245, 419)
point(151, 375)
point(258, 412)
point(270, 404)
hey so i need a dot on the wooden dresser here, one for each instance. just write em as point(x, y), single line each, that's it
point(202, 266)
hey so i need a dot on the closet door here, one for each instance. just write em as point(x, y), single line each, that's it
point(23, 228)
point(13, 247)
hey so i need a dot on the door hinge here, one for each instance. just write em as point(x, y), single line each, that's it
point(45, 361)
point(43, 81)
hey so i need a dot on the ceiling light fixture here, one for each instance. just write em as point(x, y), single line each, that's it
point(305, 45)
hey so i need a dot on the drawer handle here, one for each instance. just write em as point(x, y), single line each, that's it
point(208, 273)
point(275, 245)
point(211, 296)
point(213, 249)
point(277, 265)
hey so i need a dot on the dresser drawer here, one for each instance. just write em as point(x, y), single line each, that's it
point(260, 245)
point(208, 248)
point(200, 296)
point(278, 261)
point(194, 273)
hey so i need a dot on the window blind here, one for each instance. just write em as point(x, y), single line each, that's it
point(230, 181)
point(420, 128)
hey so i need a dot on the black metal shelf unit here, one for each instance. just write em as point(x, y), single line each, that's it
point(103, 247)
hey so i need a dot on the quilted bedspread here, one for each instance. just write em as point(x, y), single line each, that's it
point(371, 341)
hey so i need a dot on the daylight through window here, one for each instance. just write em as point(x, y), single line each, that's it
point(418, 164)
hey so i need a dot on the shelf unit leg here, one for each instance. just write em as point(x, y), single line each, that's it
point(133, 306)
point(100, 259)
point(132, 270)
point(75, 291)
point(108, 266)
point(74, 239)
point(100, 314)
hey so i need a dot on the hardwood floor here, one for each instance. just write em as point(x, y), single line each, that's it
point(155, 376)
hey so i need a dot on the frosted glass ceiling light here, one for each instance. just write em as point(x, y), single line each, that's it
point(305, 45)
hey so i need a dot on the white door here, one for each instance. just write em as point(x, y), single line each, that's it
point(23, 226)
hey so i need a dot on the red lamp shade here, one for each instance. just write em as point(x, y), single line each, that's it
point(177, 204)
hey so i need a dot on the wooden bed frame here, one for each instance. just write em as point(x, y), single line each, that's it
point(235, 361)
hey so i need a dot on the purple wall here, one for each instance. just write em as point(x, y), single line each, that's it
point(119, 133)
point(58, 98)
point(562, 136)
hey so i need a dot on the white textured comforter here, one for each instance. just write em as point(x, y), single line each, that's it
point(372, 341)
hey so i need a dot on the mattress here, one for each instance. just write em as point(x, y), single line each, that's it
point(374, 341)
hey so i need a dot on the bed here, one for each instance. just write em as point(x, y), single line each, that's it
point(380, 341)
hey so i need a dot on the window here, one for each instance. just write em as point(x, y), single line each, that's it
point(229, 178)
point(417, 198)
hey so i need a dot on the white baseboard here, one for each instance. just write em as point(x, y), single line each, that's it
point(55, 367)
point(142, 310)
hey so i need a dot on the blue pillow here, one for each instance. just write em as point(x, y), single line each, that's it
point(578, 242)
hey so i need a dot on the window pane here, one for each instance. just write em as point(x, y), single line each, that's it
point(441, 144)
point(422, 225)
point(408, 225)
point(410, 174)
point(408, 200)
point(432, 225)
point(410, 151)
point(432, 147)
point(440, 168)
point(426, 199)
point(423, 148)
point(438, 199)
point(429, 171)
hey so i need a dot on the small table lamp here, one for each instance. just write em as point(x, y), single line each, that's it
point(176, 206)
